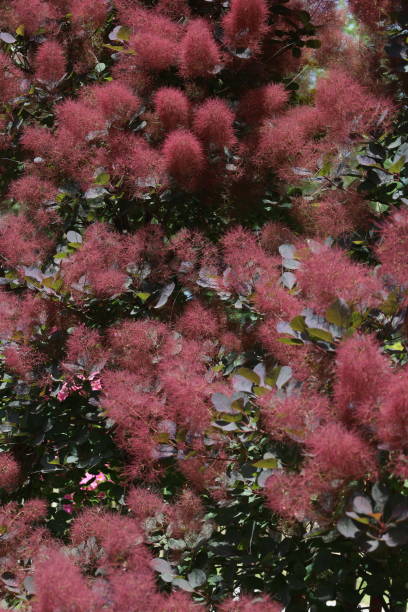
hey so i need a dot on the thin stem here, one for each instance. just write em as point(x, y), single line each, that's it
point(376, 603)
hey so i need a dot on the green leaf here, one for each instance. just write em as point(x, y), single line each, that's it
point(57, 284)
point(259, 391)
point(287, 251)
point(378, 207)
point(362, 504)
point(176, 544)
point(237, 405)
point(123, 33)
point(314, 43)
point(74, 237)
point(298, 324)
point(397, 346)
point(228, 427)
point(348, 180)
point(102, 179)
point(249, 374)
point(339, 313)
point(285, 374)
point(303, 16)
point(222, 403)
point(162, 566)
point(396, 143)
point(143, 296)
point(269, 464)
point(114, 47)
point(380, 494)
point(397, 165)
point(396, 536)
point(48, 282)
point(165, 294)
point(29, 585)
point(362, 520)
point(7, 38)
point(325, 169)
point(347, 528)
point(183, 584)
point(162, 437)
point(291, 341)
point(321, 334)
point(196, 578)
point(229, 418)
point(71, 459)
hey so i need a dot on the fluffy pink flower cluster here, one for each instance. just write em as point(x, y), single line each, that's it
point(190, 133)
point(195, 109)
point(340, 439)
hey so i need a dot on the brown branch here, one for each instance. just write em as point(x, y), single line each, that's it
point(376, 603)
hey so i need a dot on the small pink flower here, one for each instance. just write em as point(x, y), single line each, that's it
point(63, 393)
point(86, 478)
point(96, 385)
point(96, 480)
point(68, 507)
point(69, 388)
point(94, 379)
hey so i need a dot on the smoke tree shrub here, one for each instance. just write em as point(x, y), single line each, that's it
point(203, 306)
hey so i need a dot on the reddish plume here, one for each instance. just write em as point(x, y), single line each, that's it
point(393, 247)
point(213, 124)
point(50, 62)
point(246, 23)
point(184, 158)
point(362, 372)
point(10, 472)
point(199, 53)
point(393, 418)
point(59, 584)
point(89, 11)
point(32, 15)
point(327, 274)
point(172, 108)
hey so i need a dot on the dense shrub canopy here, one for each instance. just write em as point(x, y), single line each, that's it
point(203, 267)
